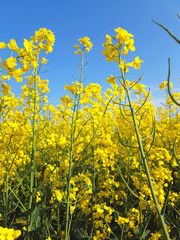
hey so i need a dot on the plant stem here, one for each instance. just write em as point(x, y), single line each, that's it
point(68, 179)
point(33, 158)
point(161, 217)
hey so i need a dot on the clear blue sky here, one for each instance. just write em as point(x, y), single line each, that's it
point(71, 20)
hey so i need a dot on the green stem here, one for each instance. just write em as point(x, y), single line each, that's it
point(73, 129)
point(161, 217)
point(93, 183)
point(6, 193)
point(33, 159)
point(122, 232)
point(6, 204)
point(82, 62)
point(67, 230)
point(81, 77)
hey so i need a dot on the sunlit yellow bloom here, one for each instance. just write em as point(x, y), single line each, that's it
point(9, 234)
point(163, 85)
point(28, 45)
point(122, 35)
point(6, 77)
point(38, 197)
point(78, 49)
point(86, 44)
point(108, 42)
point(136, 63)
point(129, 45)
point(43, 60)
point(91, 133)
point(122, 220)
point(111, 79)
point(5, 88)
point(13, 45)
point(10, 63)
point(72, 209)
point(17, 74)
point(124, 66)
point(155, 236)
point(2, 45)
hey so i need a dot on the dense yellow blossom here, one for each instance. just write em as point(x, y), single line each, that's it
point(9, 234)
point(2, 45)
point(81, 157)
point(5, 89)
point(87, 45)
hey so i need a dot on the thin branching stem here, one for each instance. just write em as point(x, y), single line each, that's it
point(33, 159)
point(68, 218)
point(168, 84)
point(161, 217)
point(167, 30)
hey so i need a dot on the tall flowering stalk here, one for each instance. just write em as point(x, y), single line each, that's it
point(75, 89)
point(78, 171)
point(123, 43)
point(33, 157)
point(43, 40)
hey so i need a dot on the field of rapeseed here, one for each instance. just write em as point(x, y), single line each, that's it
point(97, 166)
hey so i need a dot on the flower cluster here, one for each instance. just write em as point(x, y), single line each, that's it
point(81, 157)
point(9, 234)
point(27, 57)
point(123, 43)
point(86, 44)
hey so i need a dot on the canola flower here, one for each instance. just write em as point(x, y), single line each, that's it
point(87, 45)
point(5, 88)
point(9, 234)
point(123, 43)
point(88, 179)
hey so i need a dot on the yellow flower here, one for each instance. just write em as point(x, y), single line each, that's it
point(108, 43)
point(86, 43)
point(9, 234)
point(142, 205)
point(136, 63)
point(28, 45)
point(155, 236)
point(72, 209)
point(49, 49)
point(10, 63)
point(78, 49)
point(16, 234)
point(111, 79)
point(13, 45)
point(129, 45)
point(43, 60)
point(58, 195)
point(122, 220)
point(38, 197)
point(6, 88)
point(66, 99)
point(2, 45)
point(6, 77)
point(125, 66)
point(87, 49)
point(72, 89)
point(122, 35)
point(17, 75)
point(164, 84)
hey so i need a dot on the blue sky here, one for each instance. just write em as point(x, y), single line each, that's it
point(71, 20)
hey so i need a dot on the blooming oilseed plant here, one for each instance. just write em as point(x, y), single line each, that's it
point(115, 52)
point(96, 166)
